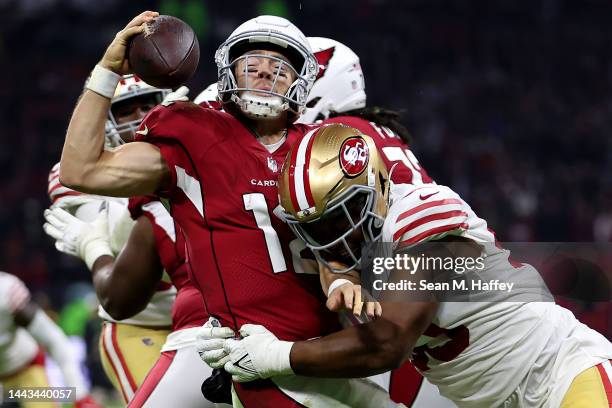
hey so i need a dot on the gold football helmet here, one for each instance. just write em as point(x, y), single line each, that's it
point(333, 189)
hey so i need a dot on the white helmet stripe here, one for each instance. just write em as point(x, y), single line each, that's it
point(300, 167)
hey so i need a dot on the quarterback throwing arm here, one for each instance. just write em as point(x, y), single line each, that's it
point(128, 170)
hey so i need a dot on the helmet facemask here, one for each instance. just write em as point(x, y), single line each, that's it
point(338, 234)
point(261, 103)
point(274, 34)
point(117, 133)
point(333, 190)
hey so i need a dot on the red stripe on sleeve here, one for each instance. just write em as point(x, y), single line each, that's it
point(433, 231)
point(56, 187)
point(428, 205)
point(426, 219)
point(67, 194)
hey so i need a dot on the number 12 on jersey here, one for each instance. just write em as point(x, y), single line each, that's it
point(256, 202)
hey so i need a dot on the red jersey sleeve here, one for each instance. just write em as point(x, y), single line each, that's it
point(135, 205)
point(166, 128)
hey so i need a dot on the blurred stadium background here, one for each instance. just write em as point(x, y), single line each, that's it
point(509, 102)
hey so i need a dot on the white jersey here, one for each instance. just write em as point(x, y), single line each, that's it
point(17, 346)
point(86, 207)
point(480, 353)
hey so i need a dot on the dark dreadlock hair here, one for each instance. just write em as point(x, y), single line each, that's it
point(382, 117)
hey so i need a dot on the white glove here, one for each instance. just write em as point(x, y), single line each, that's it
point(260, 354)
point(85, 240)
point(178, 95)
point(209, 343)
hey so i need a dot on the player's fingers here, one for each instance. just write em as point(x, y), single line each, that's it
point(230, 345)
point(357, 303)
point(357, 308)
point(215, 333)
point(213, 355)
point(60, 246)
point(51, 217)
point(124, 35)
point(47, 214)
point(347, 294)
point(219, 363)
point(52, 231)
point(232, 370)
point(378, 310)
point(62, 215)
point(370, 309)
point(334, 301)
point(214, 358)
point(210, 344)
point(142, 18)
point(250, 329)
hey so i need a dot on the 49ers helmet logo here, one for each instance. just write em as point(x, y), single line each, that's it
point(354, 156)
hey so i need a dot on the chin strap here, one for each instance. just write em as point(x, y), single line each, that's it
point(257, 107)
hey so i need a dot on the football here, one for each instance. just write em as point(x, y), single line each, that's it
point(166, 54)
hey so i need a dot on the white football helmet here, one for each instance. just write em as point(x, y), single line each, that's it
point(130, 86)
point(339, 86)
point(277, 34)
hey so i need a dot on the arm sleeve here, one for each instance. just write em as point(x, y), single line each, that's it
point(51, 337)
point(64, 197)
point(428, 214)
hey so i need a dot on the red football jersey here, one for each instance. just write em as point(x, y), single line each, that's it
point(224, 195)
point(188, 308)
point(394, 151)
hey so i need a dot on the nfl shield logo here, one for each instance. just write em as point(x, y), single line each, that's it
point(272, 165)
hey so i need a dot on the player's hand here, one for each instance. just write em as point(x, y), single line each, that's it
point(178, 95)
point(115, 58)
point(210, 341)
point(349, 296)
point(85, 240)
point(259, 354)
